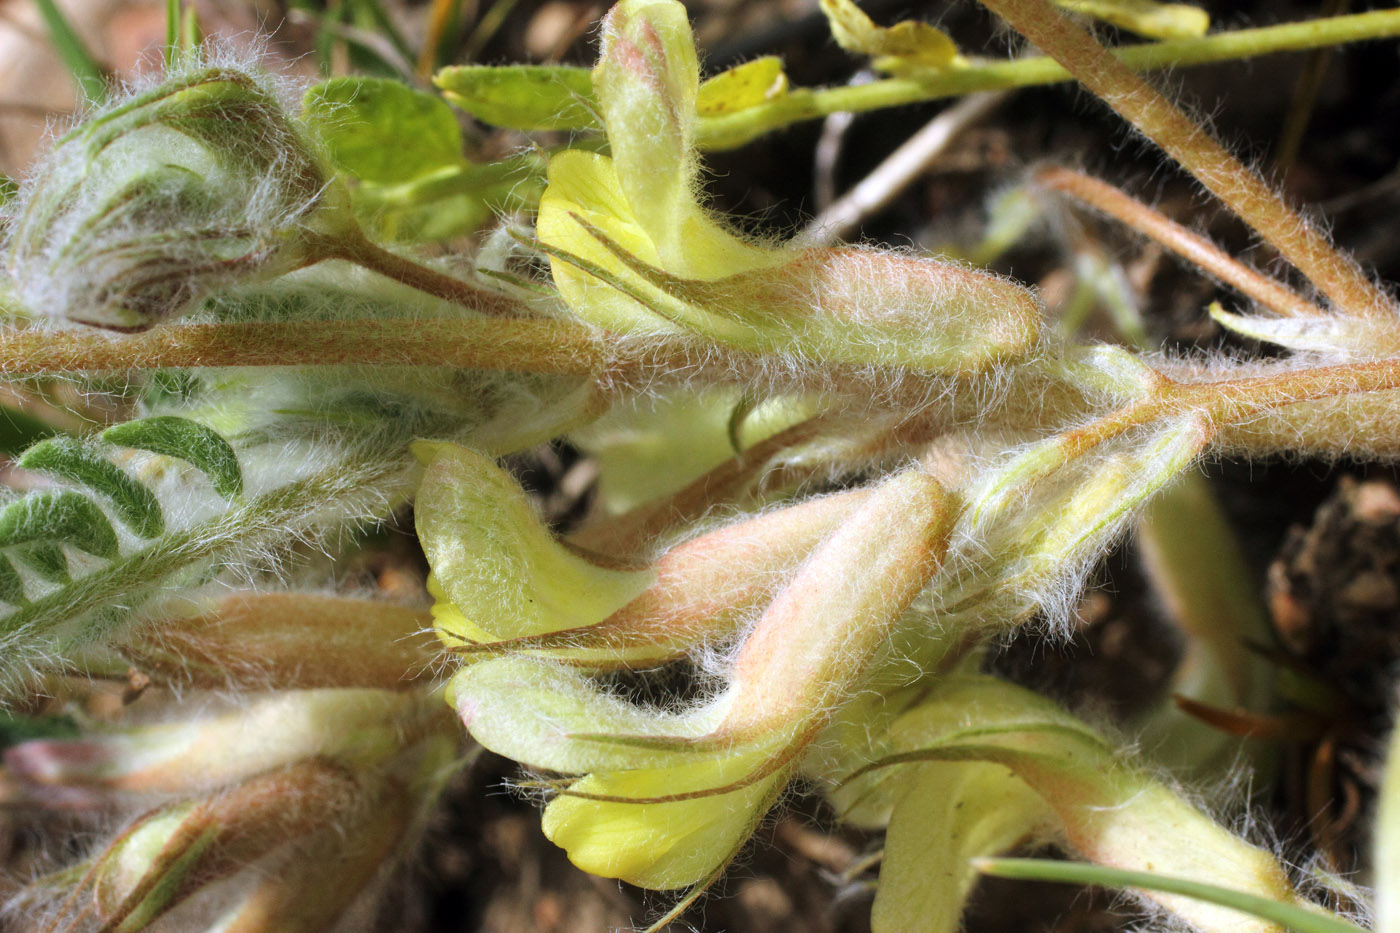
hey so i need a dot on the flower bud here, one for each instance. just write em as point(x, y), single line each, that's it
point(358, 727)
point(174, 853)
point(505, 584)
point(153, 204)
point(287, 641)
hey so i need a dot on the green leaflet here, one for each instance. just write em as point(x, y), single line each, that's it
point(741, 87)
point(58, 516)
point(15, 728)
point(382, 131)
point(19, 429)
point(1146, 17)
point(70, 459)
point(47, 560)
point(87, 73)
point(905, 47)
point(523, 97)
point(8, 188)
point(11, 584)
point(186, 440)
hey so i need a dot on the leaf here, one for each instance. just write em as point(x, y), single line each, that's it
point(742, 87)
point(186, 440)
point(1289, 916)
point(382, 131)
point(70, 459)
point(1146, 17)
point(905, 47)
point(89, 75)
point(19, 429)
point(522, 97)
point(11, 584)
point(58, 516)
point(8, 188)
point(47, 560)
point(17, 728)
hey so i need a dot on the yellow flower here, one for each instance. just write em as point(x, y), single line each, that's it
point(664, 798)
point(633, 251)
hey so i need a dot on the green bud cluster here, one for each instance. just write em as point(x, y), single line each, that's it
point(161, 199)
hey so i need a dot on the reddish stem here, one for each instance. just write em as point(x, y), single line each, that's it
point(1190, 246)
point(1242, 190)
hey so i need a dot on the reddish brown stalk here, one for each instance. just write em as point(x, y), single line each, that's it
point(747, 474)
point(360, 250)
point(1192, 247)
point(1242, 190)
point(728, 483)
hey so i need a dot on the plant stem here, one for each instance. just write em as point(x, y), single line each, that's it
point(1242, 190)
point(732, 130)
point(1231, 402)
point(540, 346)
point(1190, 246)
point(353, 246)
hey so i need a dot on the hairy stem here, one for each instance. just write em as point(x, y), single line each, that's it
point(357, 248)
point(496, 344)
point(1242, 190)
point(732, 130)
point(1192, 247)
point(1230, 402)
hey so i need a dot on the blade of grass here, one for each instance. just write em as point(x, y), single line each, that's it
point(190, 34)
point(91, 78)
point(444, 22)
point(1289, 916)
point(170, 53)
point(371, 16)
point(486, 28)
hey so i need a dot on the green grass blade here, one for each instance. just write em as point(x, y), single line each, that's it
point(171, 52)
point(190, 34)
point(90, 76)
point(371, 15)
point(1289, 916)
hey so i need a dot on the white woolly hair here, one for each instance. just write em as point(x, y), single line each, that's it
point(124, 228)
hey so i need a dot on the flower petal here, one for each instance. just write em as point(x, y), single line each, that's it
point(495, 560)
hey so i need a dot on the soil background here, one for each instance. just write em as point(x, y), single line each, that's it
point(1322, 540)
